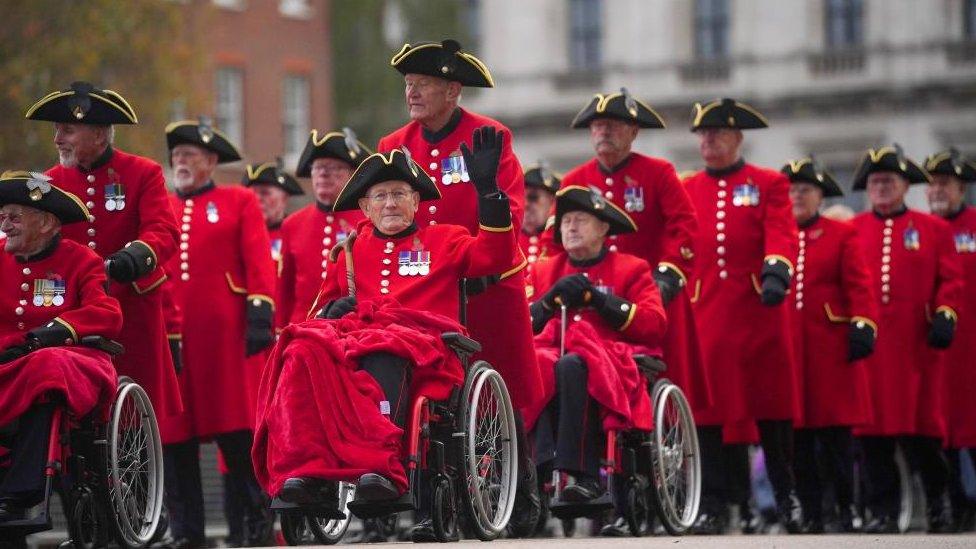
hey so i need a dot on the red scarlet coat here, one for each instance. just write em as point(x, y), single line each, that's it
point(509, 347)
point(614, 382)
point(831, 289)
point(84, 376)
point(307, 237)
point(745, 344)
point(666, 232)
point(146, 217)
point(961, 360)
point(222, 264)
point(905, 375)
point(532, 248)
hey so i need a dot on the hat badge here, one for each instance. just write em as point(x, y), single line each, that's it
point(78, 112)
point(205, 129)
point(597, 199)
point(352, 144)
point(38, 185)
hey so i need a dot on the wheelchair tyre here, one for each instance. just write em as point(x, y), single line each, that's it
point(676, 460)
point(330, 531)
point(568, 526)
point(636, 511)
point(134, 466)
point(489, 465)
point(443, 514)
point(294, 528)
point(87, 524)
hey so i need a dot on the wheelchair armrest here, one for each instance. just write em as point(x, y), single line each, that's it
point(102, 344)
point(650, 366)
point(460, 343)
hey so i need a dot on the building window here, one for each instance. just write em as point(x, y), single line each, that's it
point(236, 5)
point(295, 107)
point(230, 103)
point(297, 9)
point(711, 29)
point(844, 23)
point(471, 19)
point(584, 34)
point(969, 19)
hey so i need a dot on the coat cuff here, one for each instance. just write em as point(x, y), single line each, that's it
point(618, 312)
point(146, 260)
point(495, 213)
point(948, 311)
point(54, 333)
point(665, 267)
point(778, 266)
point(862, 321)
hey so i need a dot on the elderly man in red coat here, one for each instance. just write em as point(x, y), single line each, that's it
point(334, 397)
point(946, 194)
point(745, 249)
point(310, 233)
point(649, 190)
point(541, 185)
point(272, 185)
point(224, 285)
point(615, 313)
point(834, 328)
point(918, 284)
point(52, 295)
point(130, 222)
point(434, 75)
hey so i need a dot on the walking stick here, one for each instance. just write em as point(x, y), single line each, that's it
point(562, 326)
point(350, 272)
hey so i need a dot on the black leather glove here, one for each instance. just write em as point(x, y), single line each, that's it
point(668, 283)
point(259, 334)
point(176, 351)
point(860, 337)
point(51, 334)
point(131, 262)
point(541, 315)
point(483, 158)
point(571, 291)
point(15, 351)
point(775, 279)
point(339, 307)
point(942, 329)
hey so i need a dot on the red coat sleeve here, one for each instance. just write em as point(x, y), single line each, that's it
point(680, 222)
point(493, 249)
point(779, 227)
point(856, 281)
point(285, 298)
point(157, 224)
point(949, 281)
point(330, 289)
point(648, 322)
point(511, 180)
point(259, 271)
point(172, 312)
point(99, 314)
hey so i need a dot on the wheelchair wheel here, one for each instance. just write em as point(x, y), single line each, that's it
point(294, 528)
point(330, 531)
point(87, 524)
point(135, 466)
point(443, 513)
point(636, 509)
point(489, 457)
point(676, 467)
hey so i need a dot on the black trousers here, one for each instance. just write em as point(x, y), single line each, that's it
point(23, 483)
point(569, 432)
point(924, 455)
point(957, 492)
point(723, 481)
point(392, 373)
point(827, 450)
point(184, 490)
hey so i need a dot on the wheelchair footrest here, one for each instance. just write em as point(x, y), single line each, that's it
point(572, 509)
point(320, 511)
point(24, 527)
point(375, 509)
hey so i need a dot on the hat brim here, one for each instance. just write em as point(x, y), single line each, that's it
point(428, 59)
point(331, 145)
point(188, 133)
point(577, 198)
point(713, 116)
point(379, 167)
point(613, 106)
point(911, 171)
point(106, 108)
point(67, 207)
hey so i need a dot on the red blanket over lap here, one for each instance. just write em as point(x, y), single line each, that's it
point(612, 378)
point(84, 377)
point(317, 416)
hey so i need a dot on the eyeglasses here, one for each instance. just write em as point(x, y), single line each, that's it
point(397, 196)
point(330, 171)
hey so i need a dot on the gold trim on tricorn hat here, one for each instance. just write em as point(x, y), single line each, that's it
point(443, 59)
point(726, 113)
point(888, 159)
point(36, 190)
point(620, 106)
point(395, 165)
point(271, 173)
point(590, 200)
point(541, 177)
point(808, 170)
point(951, 162)
point(83, 103)
point(341, 145)
point(201, 133)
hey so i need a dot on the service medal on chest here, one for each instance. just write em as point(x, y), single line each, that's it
point(49, 292)
point(453, 170)
point(114, 197)
point(634, 199)
point(213, 215)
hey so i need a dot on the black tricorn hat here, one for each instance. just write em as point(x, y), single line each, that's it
point(36, 190)
point(444, 59)
point(578, 198)
point(808, 170)
point(951, 162)
point(202, 134)
point(541, 177)
point(395, 165)
point(83, 103)
point(621, 106)
point(342, 145)
point(726, 113)
point(888, 159)
point(271, 173)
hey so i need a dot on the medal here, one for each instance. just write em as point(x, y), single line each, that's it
point(48, 292)
point(404, 263)
point(212, 215)
point(114, 197)
point(911, 239)
point(746, 194)
point(276, 249)
point(634, 199)
point(965, 243)
point(423, 263)
point(453, 170)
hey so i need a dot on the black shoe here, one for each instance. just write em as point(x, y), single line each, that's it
point(372, 533)
point(586, 489)
point(308, 491)
point(749, 522)
point(423, 532)
point(373, 487)
point(710, 524)
point(790, 514)
point(12, 511)
point(66, 544)
point(939, 522)
point(813, 526)
point(616, 529)
point(882, 525)
point(184, 543)
point(528, 505)
point(964, 520)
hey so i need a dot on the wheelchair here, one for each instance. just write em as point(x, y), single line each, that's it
point(644, 473)
point(110, 474)
point(461, 452)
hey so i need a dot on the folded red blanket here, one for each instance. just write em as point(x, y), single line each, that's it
point(612, 378)
point(318, 416)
